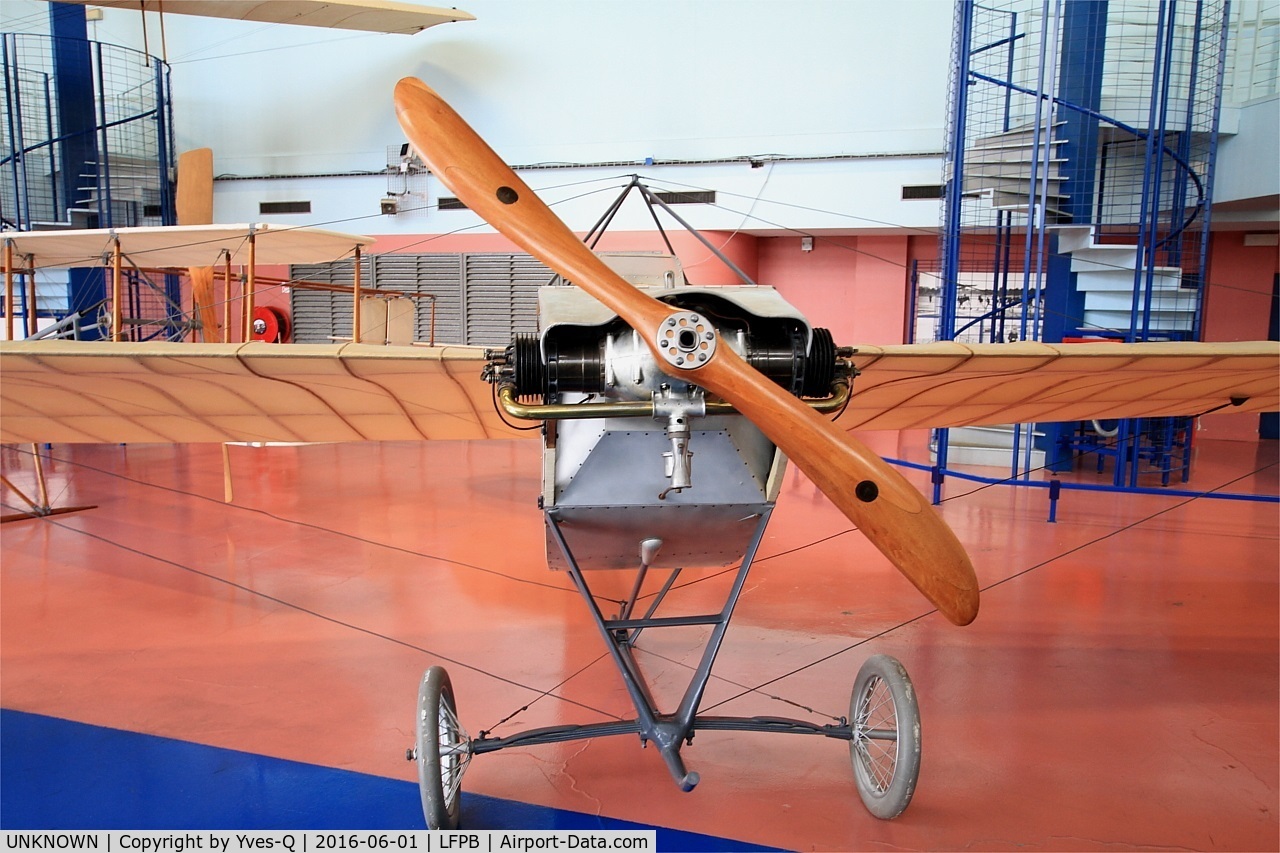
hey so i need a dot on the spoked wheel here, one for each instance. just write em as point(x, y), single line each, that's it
point(886, 736)
point(443, 750)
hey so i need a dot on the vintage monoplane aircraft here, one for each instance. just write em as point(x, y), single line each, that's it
point(630, 384)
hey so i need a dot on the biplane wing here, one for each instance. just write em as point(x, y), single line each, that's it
point(376, 16)
point(98, 391)
point(184, 245)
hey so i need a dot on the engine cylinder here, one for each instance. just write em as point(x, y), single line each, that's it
point(578, 362)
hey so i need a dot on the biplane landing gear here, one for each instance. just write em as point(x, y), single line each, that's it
point(442, 750)
point(885, 747)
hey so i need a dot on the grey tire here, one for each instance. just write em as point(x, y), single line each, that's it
point(885, 749)
point(440, 766)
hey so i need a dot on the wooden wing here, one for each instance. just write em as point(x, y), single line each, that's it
point(68, 391)
point(952, 384)
point(71, 391)
point(376, 16)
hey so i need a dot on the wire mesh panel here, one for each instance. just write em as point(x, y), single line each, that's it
point(28, 96)
point(1079, 174)
point(87, 136)
point(1084, 114)
point(86, 141)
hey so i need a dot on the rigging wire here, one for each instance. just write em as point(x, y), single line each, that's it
point(317, 614)
point(745, 689)
point(1042, 564)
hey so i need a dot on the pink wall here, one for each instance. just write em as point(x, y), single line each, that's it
point(854, 286)
point(701, 266)
point(1237, 308)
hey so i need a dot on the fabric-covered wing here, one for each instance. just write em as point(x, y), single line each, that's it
point(952, 384)
point(69, 391)
point(377, 16)
point(185, 245)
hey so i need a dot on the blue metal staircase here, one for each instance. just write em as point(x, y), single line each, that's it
point(86, 141)
point(1081, 147)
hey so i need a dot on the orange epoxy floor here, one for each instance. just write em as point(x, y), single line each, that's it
point(1121, 686)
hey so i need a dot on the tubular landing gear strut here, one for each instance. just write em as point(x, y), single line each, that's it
point(883, 727)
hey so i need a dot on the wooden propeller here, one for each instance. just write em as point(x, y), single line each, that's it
point(194, 204)
point(885, 507)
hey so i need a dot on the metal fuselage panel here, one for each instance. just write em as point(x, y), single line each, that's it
point(606, 477)
point(605, 480)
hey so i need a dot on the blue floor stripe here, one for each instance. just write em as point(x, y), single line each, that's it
point(58, 774)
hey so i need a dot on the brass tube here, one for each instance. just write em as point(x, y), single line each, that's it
point(40, 481)
point(636, 408)
point(35, 508)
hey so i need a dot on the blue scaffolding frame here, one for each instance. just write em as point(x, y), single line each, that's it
point(89, 135)
point(1064, 87)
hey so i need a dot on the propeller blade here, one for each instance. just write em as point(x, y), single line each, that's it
point(194, 202)
point(892, 514)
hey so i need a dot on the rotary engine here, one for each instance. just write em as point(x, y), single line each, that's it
point(613, 362)
point(589, 364)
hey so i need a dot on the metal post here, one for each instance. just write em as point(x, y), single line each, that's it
point(8, 289)
point(225, 335)
point(33, 314)
point(1211, 159)
point(105, 211)
point(954, 193)
point(355, 302)
point(8, 54)
point(249, 286)
point(1146, 236)
point(117, 300)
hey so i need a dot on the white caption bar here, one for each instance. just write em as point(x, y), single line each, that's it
point(358, 841)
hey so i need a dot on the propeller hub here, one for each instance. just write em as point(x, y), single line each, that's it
point(686, 340)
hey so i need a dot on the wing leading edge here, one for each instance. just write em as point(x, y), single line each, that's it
point(953, 384)
point(68, 391)
point(71, 391)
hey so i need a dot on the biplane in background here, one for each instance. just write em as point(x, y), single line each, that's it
point(375, 16)
point(630, 381)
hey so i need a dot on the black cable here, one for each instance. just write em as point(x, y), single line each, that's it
point(351, 536)
point(502, 417)
point(308, 611)
point(1109, 534)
